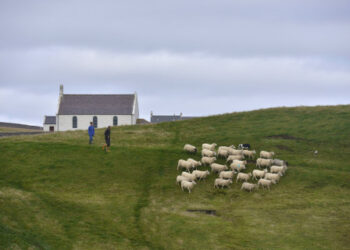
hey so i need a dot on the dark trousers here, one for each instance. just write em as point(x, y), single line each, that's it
point(91, 138)
point(108, 141)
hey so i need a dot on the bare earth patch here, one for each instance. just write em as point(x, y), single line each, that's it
point(284, 137)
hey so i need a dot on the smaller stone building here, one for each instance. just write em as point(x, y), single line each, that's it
point(49, 123)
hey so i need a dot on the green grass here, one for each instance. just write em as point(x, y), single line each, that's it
point(58, 192)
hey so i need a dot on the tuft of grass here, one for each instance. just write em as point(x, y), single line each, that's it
point(58, 192)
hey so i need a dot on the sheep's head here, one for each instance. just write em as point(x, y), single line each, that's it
point(250, 174)
point(265, 170)
point(273, 153)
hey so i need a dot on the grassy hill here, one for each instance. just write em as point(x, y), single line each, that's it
point(58, 192)
point(16, 127)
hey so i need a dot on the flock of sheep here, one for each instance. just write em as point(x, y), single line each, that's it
point(236, 158)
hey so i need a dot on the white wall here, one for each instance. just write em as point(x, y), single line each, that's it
point(46, 127)
point(135, 115)
point(65, 122)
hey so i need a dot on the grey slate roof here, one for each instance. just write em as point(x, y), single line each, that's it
point(169, 118)
point(96, 105)
point(50, 120)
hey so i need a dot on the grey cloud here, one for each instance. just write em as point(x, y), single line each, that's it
point(196, 57)
point(216, 27)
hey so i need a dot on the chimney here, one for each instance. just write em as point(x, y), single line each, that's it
point(151, 114)
point(61, 90)
point(181, 115)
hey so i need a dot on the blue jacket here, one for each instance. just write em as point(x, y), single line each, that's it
point(91, 130)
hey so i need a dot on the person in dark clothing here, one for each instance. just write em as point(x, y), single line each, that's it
point(107, 139)
point(91, 131)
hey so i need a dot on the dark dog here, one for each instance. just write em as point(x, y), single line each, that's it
point(244, 146)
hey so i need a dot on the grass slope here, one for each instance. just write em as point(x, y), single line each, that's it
point(58, 192)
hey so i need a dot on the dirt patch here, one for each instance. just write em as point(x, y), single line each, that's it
point(284, 137)
point(283, 147)
point(204, 211)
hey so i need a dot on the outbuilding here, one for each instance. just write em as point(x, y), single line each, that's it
point(49, 123)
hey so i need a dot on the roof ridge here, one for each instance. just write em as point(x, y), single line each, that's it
point(98, 94)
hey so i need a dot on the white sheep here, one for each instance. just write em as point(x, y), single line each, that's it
point(222, 182)
point(248, 186)
point(195, 163)
point(227, 148)
point(240, 162)
point(235, 157)
point(267, 155)
point(243, 176)
point(215, 167)
point(260, 162)
point(278, 162)
point(208, 160)
point(208, 146)
point(226, 174)
point(223, 153)
point(180, 178)
point(188, 165)
point(249, 154)
point(278, 169)
point(201, 174)
point(189, 185)
point(235, 151)
point(190, 177)
point(237, 166)
point(208, 153)
point(272, 177)
point(264, 183)
point(190, 148)
point(259, 173)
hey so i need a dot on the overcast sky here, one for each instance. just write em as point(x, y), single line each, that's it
point(197, 57)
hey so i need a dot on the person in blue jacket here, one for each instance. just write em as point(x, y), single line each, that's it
point(91, 131)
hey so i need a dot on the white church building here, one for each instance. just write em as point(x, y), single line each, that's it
point(76, 111)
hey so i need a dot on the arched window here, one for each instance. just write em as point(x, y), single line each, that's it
point(94, 120)
point(115, 121)
point(75, 122)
